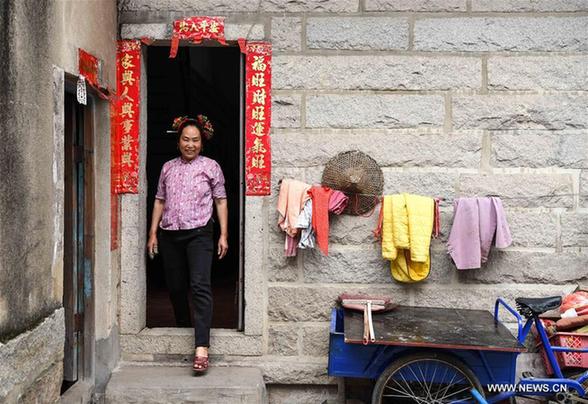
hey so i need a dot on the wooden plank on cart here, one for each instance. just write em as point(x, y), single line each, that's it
point(434, 327)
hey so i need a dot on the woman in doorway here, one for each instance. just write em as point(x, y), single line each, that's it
point(188, 188)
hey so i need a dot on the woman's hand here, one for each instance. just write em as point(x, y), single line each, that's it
point(223, 246)
point(152, 245)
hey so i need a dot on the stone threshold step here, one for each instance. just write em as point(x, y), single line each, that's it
point(175, 384)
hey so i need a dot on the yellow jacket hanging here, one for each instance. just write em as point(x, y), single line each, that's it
point(407, 223)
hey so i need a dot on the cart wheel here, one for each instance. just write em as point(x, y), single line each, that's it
point(426, 378)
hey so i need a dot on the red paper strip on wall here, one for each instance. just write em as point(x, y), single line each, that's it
point(258, 118)
point(89, 67)
point(242, 45)
point(125, 138)
point(197, 29)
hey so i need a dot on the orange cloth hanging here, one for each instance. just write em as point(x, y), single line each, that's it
point(320, 215)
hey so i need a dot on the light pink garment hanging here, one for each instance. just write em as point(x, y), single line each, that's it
point(463, 243)
point(487, 218)
point(503, 236)
point(476, 222)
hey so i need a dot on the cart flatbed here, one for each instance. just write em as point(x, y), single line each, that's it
point(434, 327)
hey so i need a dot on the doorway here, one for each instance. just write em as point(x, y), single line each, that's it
point(200, 80)
point(78, 236)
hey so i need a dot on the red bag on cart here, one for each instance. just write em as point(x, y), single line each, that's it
point(577, 300)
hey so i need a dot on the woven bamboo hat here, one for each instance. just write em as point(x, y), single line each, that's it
point(358, 176)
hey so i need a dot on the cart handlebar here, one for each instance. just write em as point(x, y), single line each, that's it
point(500, 301)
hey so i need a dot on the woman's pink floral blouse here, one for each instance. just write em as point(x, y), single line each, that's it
point(188, 189)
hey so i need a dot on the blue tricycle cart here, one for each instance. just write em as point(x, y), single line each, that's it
point(437, 355)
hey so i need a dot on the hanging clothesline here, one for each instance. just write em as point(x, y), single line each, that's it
point(486, 195)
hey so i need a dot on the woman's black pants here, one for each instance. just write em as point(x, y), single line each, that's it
point(187, 258)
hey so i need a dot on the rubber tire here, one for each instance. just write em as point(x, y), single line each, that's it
point(397, 364)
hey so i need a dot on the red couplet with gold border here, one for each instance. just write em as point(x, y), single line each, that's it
point(258, 118)
point(126, 118)
point(197, 29)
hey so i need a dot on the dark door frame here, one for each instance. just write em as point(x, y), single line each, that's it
point(240, 284)
point(79, 298)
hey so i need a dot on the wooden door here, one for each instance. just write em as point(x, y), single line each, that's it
point(78, 234)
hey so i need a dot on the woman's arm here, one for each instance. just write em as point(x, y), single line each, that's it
point(222, 212)
point(155, 219)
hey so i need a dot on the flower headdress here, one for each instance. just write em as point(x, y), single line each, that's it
point(202, 122)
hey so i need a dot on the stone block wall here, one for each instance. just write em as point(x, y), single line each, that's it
point(39, 55)
point(452, 98)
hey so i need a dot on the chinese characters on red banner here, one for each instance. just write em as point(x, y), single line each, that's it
point(125, 139)
point(196, 29)
point(258, 119)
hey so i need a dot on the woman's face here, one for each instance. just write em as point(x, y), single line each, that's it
point(190, 142)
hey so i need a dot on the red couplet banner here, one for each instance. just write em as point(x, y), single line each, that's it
point(125, 136)
point(258, 118)
point(197, 29)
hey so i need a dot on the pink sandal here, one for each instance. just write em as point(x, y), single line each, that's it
point(200, 364)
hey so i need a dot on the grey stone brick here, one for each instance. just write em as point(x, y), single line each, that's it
point(252, 32)
point(501, 112)
point(357, 33)
point(376, 72)
point(404, 150)
point(483, 297)
point(300, 303)
point(302, 394)
point(153, 31)
point(523, 190)
point(446, 223)
point(286, 36)
point(281, 268)
point(48, 386)
point(538, 73)
point(285, 111)
point(315, 340)
point(314, 303)
point(574, 231)
point(295, 372)
point(30, 355)
point(283, 340)
point(530, 228)
point(529, 267)
point(584, 188)
point(345, 265)
point(311, 5)
point(442, 269)
point(187, 6)
point(432, 184)
point(374, 111)
point(314, 174)
point(180, 341)
point(540, 149)
point(529, 5)
point(364, 265)
point(256, 279)
point(415, 5)
point(481, 34)
point(353, 230)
